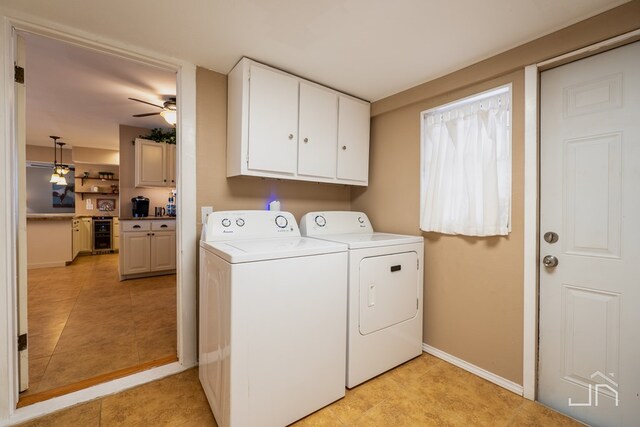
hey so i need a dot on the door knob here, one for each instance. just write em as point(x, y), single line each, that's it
point(550, 261)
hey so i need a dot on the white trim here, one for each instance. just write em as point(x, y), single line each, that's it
point(482, 373)
point(531, 209)
point(42, 408)
point(46, 265)
point(186, 171)
point(530, 323)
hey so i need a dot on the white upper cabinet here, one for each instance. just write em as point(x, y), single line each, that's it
point(318, 134)
point(353, 139)
point(282, 126)
point(273, 115)
point(155, 164)
point(150, 169)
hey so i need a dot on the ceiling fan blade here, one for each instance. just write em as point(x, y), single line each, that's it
point(145, 115)
point(145, 102)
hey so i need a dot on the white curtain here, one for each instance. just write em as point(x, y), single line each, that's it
point(466, 167)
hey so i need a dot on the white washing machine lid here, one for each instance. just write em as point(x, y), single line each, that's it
point(371, 240)
point(251, 250)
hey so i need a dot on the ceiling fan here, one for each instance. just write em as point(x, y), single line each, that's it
point(168, 110)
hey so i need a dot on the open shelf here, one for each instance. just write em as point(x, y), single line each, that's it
point(84, 178)
point(99, 193)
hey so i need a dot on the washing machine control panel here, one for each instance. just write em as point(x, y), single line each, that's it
point(230, 225)
point(334, 222)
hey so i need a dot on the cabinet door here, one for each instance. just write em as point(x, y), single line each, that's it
point(135, 253)
point(75, 240)
point(150, 163)
point(116, 235)
point(86, 243)
point(318, 135)
point(163, 250)
point(353, 139)
point(273, 121)
point(171, 165)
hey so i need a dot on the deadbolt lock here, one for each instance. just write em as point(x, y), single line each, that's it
point(550, 237)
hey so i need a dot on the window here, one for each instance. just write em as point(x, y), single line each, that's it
point(465, 185)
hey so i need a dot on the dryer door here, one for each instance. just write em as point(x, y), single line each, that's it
point(388, 290)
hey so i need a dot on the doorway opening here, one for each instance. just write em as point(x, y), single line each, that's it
point(85, 323)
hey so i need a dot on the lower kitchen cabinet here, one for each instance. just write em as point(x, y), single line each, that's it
point(148, 247)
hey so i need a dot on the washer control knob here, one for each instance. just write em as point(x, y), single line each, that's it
point(320, 221)
point(240, 222)
point(281, 221)
point(226, 222)
point(361, 220)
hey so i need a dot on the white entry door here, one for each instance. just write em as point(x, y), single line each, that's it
point(589, 354)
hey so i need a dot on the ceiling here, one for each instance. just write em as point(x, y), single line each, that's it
point(368, 48)
point(81, 94)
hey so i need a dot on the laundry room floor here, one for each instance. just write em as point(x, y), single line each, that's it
point(423, 392)
point(84, 322)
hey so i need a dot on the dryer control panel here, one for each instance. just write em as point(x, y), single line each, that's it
point(334, 222)
point(232, 225)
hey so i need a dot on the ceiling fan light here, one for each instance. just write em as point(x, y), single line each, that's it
point(169, 116)
point(54, 178)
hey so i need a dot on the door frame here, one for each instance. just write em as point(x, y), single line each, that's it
point(532, 201)
point(186, 230)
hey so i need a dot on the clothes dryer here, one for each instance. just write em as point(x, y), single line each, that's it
point(384, 326)
point(273, 306)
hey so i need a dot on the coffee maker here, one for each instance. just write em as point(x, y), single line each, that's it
point(139, 206)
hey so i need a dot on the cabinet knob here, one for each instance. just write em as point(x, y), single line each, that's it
point(306, 140)
point(344, 147)
point(290, 136)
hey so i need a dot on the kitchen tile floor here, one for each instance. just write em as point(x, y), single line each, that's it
point(423, 392)
point(84, 322)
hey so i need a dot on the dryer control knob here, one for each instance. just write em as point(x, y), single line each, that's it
point(240, 222)
point(281, 221)
point(226, 222)
point(320, 221)
point(361, 220)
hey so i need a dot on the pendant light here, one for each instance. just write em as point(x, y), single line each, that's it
point(62, 168)
point(59, 169)
point(55, 177)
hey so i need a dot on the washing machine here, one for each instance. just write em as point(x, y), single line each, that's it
point(384, 327)
point(272, 310)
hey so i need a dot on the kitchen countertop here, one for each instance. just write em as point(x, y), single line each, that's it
point(50, 216)
point(146, 218)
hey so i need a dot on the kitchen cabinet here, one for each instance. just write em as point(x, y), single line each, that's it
point(155, 164)
point(170, 165)
point(75, 238)
point(85, 238)
point(282, 126)
point(116, 234)
point(148, 247)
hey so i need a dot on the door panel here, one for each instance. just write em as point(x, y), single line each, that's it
point(590, 196)
point(137, 258)
point(318, 139)
point(388, 291)
point(273, 121)
point(163, 250)
point(353, 140)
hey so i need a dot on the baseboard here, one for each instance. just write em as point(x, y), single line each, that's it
point(46, 265)
point(482, 373)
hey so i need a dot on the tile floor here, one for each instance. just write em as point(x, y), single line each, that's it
point(423, 392)
point(84, 322)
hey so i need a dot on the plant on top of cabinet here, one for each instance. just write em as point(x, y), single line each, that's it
point(282, 126)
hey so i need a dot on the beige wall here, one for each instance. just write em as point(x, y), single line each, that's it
point(215, 189)
point(473, 286)
point(36, 153)
point(96, 156)
point(157, 196)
